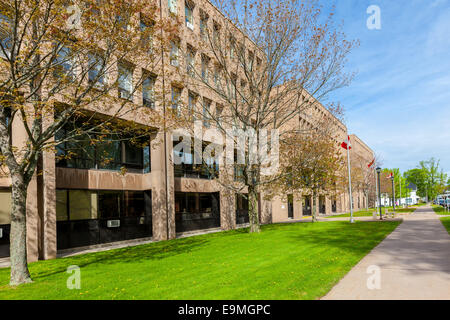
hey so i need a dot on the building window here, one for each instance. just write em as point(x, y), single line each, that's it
point(206, 112)
point(173, 6)
point(146, 35)
point(80, 204)
point(190, 61)
point(242, 92)
point(123, 22)
point(187, 168)
point(109, 204)
point(96, 74)
point(216, 33)
point(75, 205)
point(192, 100)
point(189, 12)
point(233, 86)
point(205, 69)
point(62, 213)
point(5, 207)
point(176, 96)
point(5, 36)
point(64, 64)
point(232, 47)
point(219, 114)
point(111, 153)
point(241, 51)
point(148, 92)
point(193, 203)
point(258, 62)
point(125, 81)
point(218, 78)
point(203, 25)
point(174, 52)
point(251, 58)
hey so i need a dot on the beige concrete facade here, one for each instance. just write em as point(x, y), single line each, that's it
point(42, 213)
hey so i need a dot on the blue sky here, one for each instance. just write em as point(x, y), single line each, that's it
point(399, 102)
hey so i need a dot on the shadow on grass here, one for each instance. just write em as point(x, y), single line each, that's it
point(151, 251)
point(348, 237)
point(139, 253)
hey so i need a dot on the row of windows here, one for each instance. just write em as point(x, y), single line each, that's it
point(204, 18)
point(96, 76)
point(187, 169)
point(193, 203)
point(111, 153)
point(73, 205)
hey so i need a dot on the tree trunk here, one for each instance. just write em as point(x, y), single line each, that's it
point(18, 237)
point(314, 207)
point(367, 201)
point(253, 210)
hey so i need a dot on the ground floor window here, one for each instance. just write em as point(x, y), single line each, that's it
point(306, 205)
point(334, 206)
point(196, 211)
point(241, 209)
point(322, 208)
point(5, 221)
point(87, 217)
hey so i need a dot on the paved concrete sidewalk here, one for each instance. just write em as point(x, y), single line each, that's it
point(414, 263)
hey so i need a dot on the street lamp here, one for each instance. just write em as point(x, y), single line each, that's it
point(379, 192)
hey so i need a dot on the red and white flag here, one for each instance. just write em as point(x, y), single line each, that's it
point(346, 144)
point(390, 176)
point(371, 164)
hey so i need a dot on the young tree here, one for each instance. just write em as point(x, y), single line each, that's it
point(364, 176)
point(435, 177)
point(311, 162)
point(269, 59)
point(65, 64)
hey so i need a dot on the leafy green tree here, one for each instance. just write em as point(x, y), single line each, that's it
point(418, 177)
point(429, 178)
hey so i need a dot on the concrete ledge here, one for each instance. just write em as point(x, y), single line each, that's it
point(105, 246)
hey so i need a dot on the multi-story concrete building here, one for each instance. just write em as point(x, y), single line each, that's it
point(83, 201)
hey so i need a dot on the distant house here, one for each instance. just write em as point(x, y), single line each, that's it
point(411, 199)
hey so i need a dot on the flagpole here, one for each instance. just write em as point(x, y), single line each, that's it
point(376, 190)
point(350, 180)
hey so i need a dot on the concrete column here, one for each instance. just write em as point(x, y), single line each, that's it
point(163, 209)
point(47, 191)
point(328, 205)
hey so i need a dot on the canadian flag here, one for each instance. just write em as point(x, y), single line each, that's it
point(390, 176)
point(371, 164)
point(346, 144)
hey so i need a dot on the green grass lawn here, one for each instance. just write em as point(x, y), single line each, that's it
point(365, 213)
point(362, 213)
point(440, 210)
point(284, 261)
point(446, 222)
